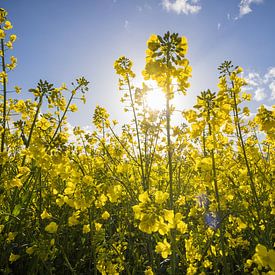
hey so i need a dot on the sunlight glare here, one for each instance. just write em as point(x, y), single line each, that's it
point(155, 98)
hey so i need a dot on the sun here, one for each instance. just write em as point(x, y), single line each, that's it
point(155, 98)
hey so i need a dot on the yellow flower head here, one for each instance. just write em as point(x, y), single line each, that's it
point(8, 25)
point(2, 34)
point(86, 228)
point(12, 38)
point(45, 215)
point(105, 215)
point(73, 107)
point(3, 15)
point(51, 227)
point(164, 248)
point(98, 226)
point(73, 220)
point(161, 197)
point(30, 250)
point(148, 271)
point(13, 257)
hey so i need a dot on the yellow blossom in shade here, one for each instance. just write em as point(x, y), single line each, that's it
point(148, 271)
point(73, 220)
point(73, 107)
point(169, 215)
point(60, 201)
point(138, 212)
point(105, 215)
point(264, 257)
point(181, 200)
point(45, 215)
point(101, 201)
point(86, 228)
point(51, 227)
point(153, 44)
point(30, 250)
point(271, 260)
point(13, 38)
point(52, 242)
point(1, 227)
point(11, 236)
point(161, 197)
point(13, 257)
point(144, 197)
point(98, 226)
point(16, 182)
point(70, 188)
point(114, 192)
point(163, 228)
point(3, 14)
point(182, 227)
point(2, 34)
point(163, 248)
point(149, 223)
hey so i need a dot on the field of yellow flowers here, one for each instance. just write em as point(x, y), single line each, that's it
point(152, 199)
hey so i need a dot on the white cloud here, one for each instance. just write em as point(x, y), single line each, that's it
point(272, 89)
point(261, 85)
point(245, 6)
point(260, 94)
point(182, 6)
point(253, 79)
point(219, 26)
point(270, 74)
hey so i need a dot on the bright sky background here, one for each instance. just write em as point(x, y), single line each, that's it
point(61, 40)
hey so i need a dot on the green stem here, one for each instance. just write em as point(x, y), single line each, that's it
point(5, 97)
point(217, 195)
point(170, 171)
point(144, 184)
point(240, 136)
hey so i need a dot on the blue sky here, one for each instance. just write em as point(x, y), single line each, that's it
point(60, 40)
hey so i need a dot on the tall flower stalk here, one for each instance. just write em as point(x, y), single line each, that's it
point(167, 65)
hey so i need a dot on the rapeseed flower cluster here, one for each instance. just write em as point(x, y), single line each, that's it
point(149, 199)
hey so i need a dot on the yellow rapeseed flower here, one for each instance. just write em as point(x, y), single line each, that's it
point(161, 197)
point(148, 271)
point(13, 257)
point(86, 228)
point(8, 25)
point(45, 215)
point(73, 107)
point(30, 250)
point(98, 226)
point(2, 34)
point(51, 227)
point(11, 236)
point(73, 220)
point(9, 45)
point(13, 38)
point(164, 248)
point(105, 215)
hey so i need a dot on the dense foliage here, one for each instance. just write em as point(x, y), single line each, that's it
point(151, 198)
